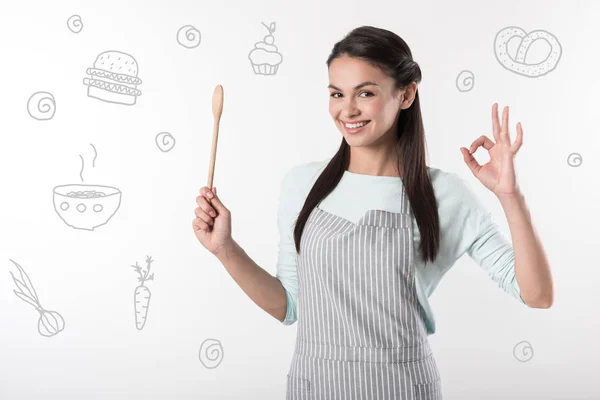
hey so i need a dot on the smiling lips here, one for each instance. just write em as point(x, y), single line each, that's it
point(355, 127)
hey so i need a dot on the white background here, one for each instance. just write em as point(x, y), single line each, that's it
point(269, 124)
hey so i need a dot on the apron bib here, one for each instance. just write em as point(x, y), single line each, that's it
point(361, 330)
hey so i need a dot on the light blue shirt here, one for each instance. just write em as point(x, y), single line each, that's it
point(465, 225)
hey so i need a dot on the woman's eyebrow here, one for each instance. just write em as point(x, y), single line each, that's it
point(356, 88)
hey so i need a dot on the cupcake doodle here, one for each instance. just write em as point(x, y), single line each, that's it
point(50, 322)
point(264, 57)
point(41, 106)
point(165, 141)
point(83, 206)
point(517, 64)
point(465, 81)
point(113, 78)
point(74, 24)
point(211, 353)
point(141, 295)
point(188, 36)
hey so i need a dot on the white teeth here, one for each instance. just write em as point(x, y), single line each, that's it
point(354, 126)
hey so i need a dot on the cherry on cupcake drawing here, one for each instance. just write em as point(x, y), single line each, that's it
point(269, 39)
point(141, 296)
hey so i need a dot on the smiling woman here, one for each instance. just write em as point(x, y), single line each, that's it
point(367, 235)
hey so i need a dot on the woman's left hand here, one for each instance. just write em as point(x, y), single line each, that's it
point(498, 175)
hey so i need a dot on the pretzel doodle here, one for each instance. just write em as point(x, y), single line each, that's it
point(517, 64)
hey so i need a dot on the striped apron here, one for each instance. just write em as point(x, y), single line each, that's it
point(361, 330)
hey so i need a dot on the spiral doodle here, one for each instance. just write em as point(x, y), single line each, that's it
point(188, 36)
point(465, 81)
point(41, 106)
point(74, 23)
point(574, 160)
point(523, 351)
point(165, 141)
point(211, 353)
point(517, 64)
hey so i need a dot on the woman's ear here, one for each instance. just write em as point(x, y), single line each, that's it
point(409, 96)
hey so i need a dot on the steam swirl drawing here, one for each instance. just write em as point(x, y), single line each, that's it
point(165, 141)
point(41, 106)
point(189, 37)
point(211, 353)
point(74, 24)
point(50, 322)
point(574, 160)
point(465, 81)
point(517, 63)
point(86, 206)
point(523, 351)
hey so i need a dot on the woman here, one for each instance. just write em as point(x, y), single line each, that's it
point(376, 230)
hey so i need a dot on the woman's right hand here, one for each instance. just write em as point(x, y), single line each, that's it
point(212, 225)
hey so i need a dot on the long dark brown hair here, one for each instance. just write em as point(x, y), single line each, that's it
point(389, 52)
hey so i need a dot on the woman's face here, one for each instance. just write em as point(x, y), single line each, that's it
point(360, 92)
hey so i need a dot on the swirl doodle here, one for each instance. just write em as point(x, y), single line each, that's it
point(574, 159)
point(523, 351)
point(517, 64)
point(165, 141)
point(41, 106)
point(74, 23)
point(211, 353)
point(465, 81)
point(188, 36)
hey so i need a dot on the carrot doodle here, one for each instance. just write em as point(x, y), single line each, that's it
point(141, 296)
point(50, 322)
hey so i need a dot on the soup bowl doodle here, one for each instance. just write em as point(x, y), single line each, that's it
point(86, 206)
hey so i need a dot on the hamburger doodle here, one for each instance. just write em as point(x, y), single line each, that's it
point(165, 141)
point(188, 36)
point(264, 57)
point(74, 24)
point(41, 106)
point(50, 322)
point(518, 64)
point(141, 295)
point(83, 206)
point(114, 78)
point(211, 353)
point(465, 81)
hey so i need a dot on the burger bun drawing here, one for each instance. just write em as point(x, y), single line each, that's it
point(114, 78)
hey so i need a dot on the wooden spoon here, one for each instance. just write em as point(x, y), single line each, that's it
point(217, 109)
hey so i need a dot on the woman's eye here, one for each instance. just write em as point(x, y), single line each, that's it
point(335, 97)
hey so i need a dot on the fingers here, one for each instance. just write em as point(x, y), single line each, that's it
point(519, 140)
point(198, 224)
point(495, 122)
point(216, 202)
point(471, 162)
point(481, 141)
point(504, 129)
point(204, 216)
point(205, 205)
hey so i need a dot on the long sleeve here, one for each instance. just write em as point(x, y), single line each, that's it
point(487, 244)
point(287, 258)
